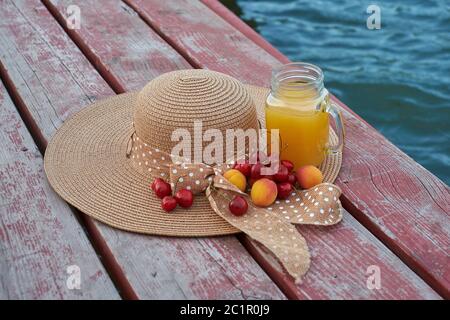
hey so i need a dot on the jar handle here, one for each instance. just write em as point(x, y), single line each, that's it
point(334, 110)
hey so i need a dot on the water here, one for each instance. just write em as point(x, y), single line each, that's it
point(396, 78)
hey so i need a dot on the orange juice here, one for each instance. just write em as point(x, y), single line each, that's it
point(303, 129)
point(299, 107)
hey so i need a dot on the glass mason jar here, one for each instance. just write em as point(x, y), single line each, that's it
point(299, 106)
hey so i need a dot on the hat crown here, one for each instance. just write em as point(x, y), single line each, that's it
point(176, 100)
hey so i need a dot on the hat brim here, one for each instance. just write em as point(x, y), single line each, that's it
point(86, 165)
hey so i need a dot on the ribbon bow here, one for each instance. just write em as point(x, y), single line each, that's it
point(274, 226)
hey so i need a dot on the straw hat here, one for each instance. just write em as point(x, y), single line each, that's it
point(87, 161)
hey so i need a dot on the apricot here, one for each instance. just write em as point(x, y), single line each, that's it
point(309, 176)
point(264, 192)
point(236, 178)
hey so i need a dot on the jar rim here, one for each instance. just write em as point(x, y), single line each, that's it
point(296, 77)
point(312, 70)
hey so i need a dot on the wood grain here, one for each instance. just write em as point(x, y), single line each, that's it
point(39, 236)
point(201, 41)
point(341, 258)
point(416, 228)
point(399, 201)
point(246, 30)
point(45, 65)
point(117, 42)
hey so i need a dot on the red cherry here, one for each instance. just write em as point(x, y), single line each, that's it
point(259, 156)
point(282, 174)
point(238, 206)
point(255, 172)
point(288, 164)
point(263, 158)
point(292, 179)
point(155, 182)
point(284, 190)
point(185, 198)
point(168, 203)
point(162, 189)
point(244, 168)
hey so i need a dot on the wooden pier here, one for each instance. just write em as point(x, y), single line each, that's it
point(397, 212)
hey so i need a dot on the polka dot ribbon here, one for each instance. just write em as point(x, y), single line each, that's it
point(274, 226)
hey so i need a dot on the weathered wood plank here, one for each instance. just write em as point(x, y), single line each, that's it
point(156, 267)
point(208, 41)
point(340, 269)
point(246, 30)
point(39, 235)
point(117, 42)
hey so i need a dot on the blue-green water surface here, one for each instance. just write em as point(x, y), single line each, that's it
point(397, 78)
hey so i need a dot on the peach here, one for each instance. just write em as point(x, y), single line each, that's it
point(264, 192)
point(309, 176)
point(236, 178)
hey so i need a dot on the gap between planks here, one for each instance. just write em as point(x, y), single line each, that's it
point(160, 33)
point(78, 41)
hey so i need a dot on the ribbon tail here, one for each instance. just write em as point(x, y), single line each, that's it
point(278, 236)
point(319, 205)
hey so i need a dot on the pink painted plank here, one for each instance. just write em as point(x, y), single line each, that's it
point(208, 41)
point(117, 42)
point(246, 30)
point(399, 201)
point(39, 235)
point(341, 258)
point(43, 64)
